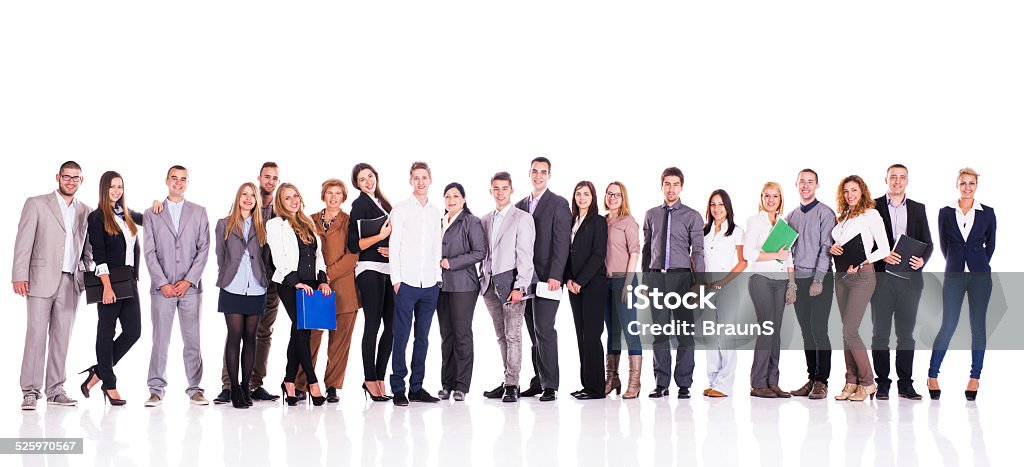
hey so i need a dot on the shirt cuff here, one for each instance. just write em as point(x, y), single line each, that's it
point(101, 270)
point(819, 276)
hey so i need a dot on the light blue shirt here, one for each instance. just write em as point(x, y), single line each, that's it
point(499, 218)
point(175, 210)
point(245, 282)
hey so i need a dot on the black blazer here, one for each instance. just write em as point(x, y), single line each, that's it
point(112, 249)
point(587, 253)
point(917, 228)
point(977, 251)
point(464, 244)
point(553, 221)
point(364, 208)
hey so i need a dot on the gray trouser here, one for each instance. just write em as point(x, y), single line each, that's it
point(682, 372)
point(539, 317)
point(50, 317)
point(769, 297)
point(188, 322)
point(508, 327)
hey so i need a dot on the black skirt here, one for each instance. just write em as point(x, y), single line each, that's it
point(233, 304)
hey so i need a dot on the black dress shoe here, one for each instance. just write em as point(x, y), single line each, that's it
point(882, 395)
point(587, 395)
point(399, 399)
point(684, 393)
point(971, 395)
point(261, 394)
point(659, 391)
point(223, 398)
point(577, 392)
point(548, 396)
point(496, 393)
point(532, 391)
point(246, 395)
point(511, 394)
point(332, 396)
point(421, 395)
point(910, 393)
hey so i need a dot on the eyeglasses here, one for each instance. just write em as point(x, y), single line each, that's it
point(69, 178)
point(613, 195)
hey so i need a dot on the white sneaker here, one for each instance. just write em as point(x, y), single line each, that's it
point(153, 401)
point(28, 402)
point(62, 399)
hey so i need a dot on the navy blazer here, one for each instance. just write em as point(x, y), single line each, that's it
point(977, 251)
point(586, 254)
point(917, 228)
point(112, 249)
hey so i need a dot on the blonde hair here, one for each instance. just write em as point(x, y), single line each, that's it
point(846, 211)
point(299, 222)
point(968, 171)
point(774, 186)
point(330, 182)
point(623, 210)
point(235, 219)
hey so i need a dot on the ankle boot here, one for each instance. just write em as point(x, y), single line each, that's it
point(236, 398)
point(847, 392)
point(633, 385)
point(611, 375)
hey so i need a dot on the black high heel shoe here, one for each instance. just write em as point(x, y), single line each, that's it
point(971, 395)
point(290, 400)
point(246, 395)
point(317, 400)
point(372, 397)
point(85, 386)
point(114, 402)
point(934, 393)
point(237, 400)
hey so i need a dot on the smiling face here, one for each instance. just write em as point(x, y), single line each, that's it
point(770, 199)
point(333, 197)
point(453, 200)
point(583, 198)
point(540, 173)
point(807, 185)
point(852, 193)
point(177, 182)
point(116, 190)
point(268, 180)
point(367, 181)
point(246, 200)
point(291, 200)
point(613, 197)
point(967, 184)
point(671, 187)
point(68, 181)
point(501, 190)
point(717, 207)
point(897, 179)
point(420, 181)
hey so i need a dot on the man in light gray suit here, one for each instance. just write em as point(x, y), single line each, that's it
point(49, 258)
point(176, 246)
point(505, 276)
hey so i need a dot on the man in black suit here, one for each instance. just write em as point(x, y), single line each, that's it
point(895, 297)
point(553, 222)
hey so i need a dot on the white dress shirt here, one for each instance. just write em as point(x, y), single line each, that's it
point(415, 244)
point(174, 209)
point(719, 250)
point(871, 228)
point(445, 223)
point(758, 228)
point(499, 218)
point(68, 215)
point(965, 222)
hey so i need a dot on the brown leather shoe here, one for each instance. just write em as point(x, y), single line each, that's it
point(763, 392)
point(820, 391)
point(715, 393)
point(706, 391)
point(804, 390)
point(778, 391)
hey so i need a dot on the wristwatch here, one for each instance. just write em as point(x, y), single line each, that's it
point(792, 285)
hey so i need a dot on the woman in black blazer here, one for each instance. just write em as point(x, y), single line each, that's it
point(113, 236)
point(967, 238)
point(463, 246)
point(373, 278)
point(587, 284)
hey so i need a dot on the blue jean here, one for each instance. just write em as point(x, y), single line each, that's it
point(978, 288)
point(617, 316)
point(414, 312)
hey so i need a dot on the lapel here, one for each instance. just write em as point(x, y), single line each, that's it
point(543, 203)
point(505, 225)
point(81, 218)
point(166, 216)
point(582, 230)
point(55, 209)
point(488, 222)
point(882, 206)
point(977, 228)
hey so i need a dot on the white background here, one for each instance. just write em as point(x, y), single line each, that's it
point(734, 93)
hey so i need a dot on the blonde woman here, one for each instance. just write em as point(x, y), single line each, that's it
point(623, 253)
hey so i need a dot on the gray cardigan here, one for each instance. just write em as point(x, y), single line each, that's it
point(229, 254)
point(464, 245)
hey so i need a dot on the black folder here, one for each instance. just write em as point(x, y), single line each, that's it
point(371, 227)
point(853, 255)
point(122, 282)
point(905, 247)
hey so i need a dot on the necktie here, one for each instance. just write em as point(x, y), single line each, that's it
point(668, 235)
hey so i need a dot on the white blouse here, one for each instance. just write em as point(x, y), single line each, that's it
point(719, 250)
point(872, 230)
point(129, 243)
point(758, 228)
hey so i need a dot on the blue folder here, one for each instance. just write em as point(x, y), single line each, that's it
point(315, 311)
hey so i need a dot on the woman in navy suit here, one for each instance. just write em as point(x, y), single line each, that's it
point(967, 237)
point(588, 287)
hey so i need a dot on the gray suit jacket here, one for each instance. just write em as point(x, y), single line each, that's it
point(509, 259)
point(553, 221)
point(464, 245)
point(230, 251)
point(39, 246)
point(174, 256)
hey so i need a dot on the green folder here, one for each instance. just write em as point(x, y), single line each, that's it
point(782, 235)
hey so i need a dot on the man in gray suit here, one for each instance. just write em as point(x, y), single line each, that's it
point(49, 258)
point(553, 221)
point(505, 276)
point(176, 245)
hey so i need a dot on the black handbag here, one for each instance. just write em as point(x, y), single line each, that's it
point(122, 281)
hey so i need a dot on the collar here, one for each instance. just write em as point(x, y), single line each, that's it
point(503, 212)
point(888, 201)
point(532, 199)
point(172, 203)
point(806, 208)
point(976, 207)
point(678, 204)
point(444, 217)
point(60, 200)
point(725, 228)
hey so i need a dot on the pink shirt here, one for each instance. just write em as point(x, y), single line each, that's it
point(623, 239)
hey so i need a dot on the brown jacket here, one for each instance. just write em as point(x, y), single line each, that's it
point(341, 264)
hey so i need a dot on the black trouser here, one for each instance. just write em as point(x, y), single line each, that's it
point(812, 313)
point(109, 350)
point(298, 342)
point(455, 317)
point(588, 315)
point(377, 297)
point(539, 319)
point(894, 298)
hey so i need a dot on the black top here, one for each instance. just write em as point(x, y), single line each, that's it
point(587, 252)
point(112, 249)
point(553, 221)
point(306, 272)
point(364, 208)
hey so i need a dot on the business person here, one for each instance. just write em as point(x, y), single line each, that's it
point(332, 227)
point(267, 181)
point(856, 285)
point(49, 257)
point(896, 298)
point(673, 251)
point(176, 246)
point(552, 219)
point(240, 244)
point(723, 262)
point(813, 222)
point(463, 247)
point(416, 275)
point(506, 274)
point(298, 266)
point(772, 286)
point(113, 236)
point(623, 254)
point(373, 278)
point(967, 238)
point(587, 282)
